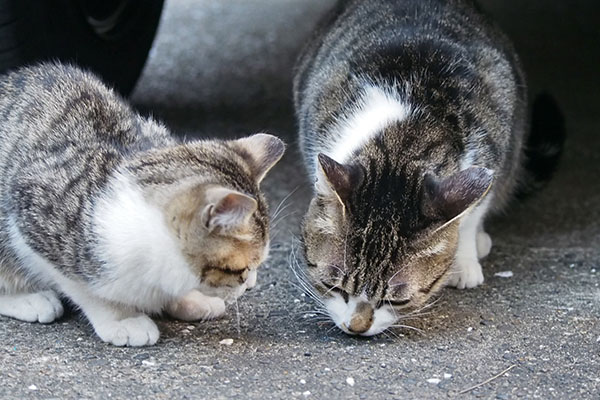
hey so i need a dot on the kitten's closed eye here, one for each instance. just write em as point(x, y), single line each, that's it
point(224, 277)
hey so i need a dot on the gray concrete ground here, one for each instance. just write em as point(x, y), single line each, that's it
point(222, 68)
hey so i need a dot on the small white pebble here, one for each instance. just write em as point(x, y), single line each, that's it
point(191, 327)
point(469, 329)
point(598, 340)
point(296, 300)
point(447, 376)
point(413, 360)
point(435, 381)
point(302, 295)
point(185, 331)
point(504, 274)
point(327, 369)
point(79, 339)
point(302, 381)
point(148, 363)
point(350, 381)
point(306, 394)
point(593, 270)
point(32, 387)
point(226, 342)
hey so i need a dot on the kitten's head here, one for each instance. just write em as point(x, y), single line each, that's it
point(217, 211)
point(379, 243)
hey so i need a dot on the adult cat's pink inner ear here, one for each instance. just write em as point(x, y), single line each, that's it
point(449, 197)
point(261, 151)
point(341, 178)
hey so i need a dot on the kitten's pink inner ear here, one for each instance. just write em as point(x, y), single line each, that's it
point(262, 152)
point(227, 208)
point(451, 196)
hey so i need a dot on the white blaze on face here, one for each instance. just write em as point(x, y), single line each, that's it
point(341, 313)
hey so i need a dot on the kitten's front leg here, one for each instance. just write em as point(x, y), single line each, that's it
point(43, 306)
point(195, 306)
point(114, 324)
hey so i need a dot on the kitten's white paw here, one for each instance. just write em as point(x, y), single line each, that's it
point(484, 244)
point(134, 331)
point(195, 306)
point(466, 274)
point(251, 280)
point(44, 307)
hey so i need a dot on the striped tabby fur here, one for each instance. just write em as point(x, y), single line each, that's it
point(412, 123)
point(105, 207)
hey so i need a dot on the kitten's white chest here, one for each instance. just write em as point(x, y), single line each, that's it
point(143, 261)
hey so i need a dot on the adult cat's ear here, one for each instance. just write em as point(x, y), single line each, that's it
point(336, 178)
point(261, 151)
point(227, 209)
point(448, 198)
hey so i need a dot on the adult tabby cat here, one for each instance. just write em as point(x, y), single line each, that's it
point(412, 122)
point(104, 207)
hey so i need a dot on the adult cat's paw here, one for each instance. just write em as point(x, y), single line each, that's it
point(195, 306)
point(466, 274)
point(43, 307)
point(134, 331)
point(484, 244)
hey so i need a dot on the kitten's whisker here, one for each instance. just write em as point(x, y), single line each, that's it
point(285, 198)
point(237, 312)
point(274, 225)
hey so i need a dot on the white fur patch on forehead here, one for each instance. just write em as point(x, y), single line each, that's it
point(377, 108)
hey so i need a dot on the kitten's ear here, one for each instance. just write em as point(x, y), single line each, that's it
point(227, 209)
point(261, 151)
point(449, 197)
point(336, 178)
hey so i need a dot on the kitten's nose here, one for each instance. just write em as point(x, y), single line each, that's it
point(362, 319)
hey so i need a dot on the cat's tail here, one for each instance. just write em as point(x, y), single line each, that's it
point(544, 145)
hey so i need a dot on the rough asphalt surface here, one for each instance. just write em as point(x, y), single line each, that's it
point(222, 68)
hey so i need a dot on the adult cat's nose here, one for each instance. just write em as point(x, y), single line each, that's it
point(362, 319)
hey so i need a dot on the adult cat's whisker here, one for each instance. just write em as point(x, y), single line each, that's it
point(404, 326)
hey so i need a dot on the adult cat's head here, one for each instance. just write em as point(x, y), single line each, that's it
point(209, 194)
point(379, 241)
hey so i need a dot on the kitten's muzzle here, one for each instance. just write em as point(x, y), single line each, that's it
point(362, 319)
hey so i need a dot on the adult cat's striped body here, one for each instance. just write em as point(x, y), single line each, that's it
point(412, 122)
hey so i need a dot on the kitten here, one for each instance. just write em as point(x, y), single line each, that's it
point(412, 122)
point(104, 207)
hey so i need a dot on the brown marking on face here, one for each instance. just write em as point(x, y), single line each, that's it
point(221, 259)
point(362, 319)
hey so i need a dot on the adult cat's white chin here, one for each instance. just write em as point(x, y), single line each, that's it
point(342, 312)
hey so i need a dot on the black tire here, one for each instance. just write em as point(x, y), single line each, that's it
point(110, 37)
